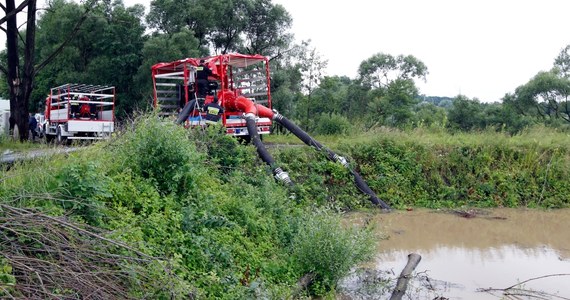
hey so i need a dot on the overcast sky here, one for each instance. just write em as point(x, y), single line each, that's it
point(478, 48)
point(482, 48)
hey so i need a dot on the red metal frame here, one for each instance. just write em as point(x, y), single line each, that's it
point(69, 88)
point(222, 67)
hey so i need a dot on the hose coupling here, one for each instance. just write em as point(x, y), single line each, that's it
point(282, 176)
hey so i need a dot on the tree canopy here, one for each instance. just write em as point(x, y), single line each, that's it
point(546, 95)
point(248, 26)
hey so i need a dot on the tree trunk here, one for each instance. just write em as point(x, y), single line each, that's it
point(20, 82)
point(402, 284)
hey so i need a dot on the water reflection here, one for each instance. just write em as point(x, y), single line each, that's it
point(498, 248)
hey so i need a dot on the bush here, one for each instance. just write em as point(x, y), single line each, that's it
point(435, 169)
point(332, 124)
point(84, 186)
point(222, 151)
point(327, 250)
point(480, 174)
point(161, 152)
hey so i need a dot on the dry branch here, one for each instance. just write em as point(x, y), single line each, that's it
point(53, 258)
point(515, 290)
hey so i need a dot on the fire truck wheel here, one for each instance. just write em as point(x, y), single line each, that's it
point(60, 139)
point(49, 137)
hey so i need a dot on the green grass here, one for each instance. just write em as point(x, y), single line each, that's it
point(536, 136)
point(7, 143)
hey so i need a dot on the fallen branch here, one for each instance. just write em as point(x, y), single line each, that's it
point(515, 290)
point(52, 258)
point(402, 284)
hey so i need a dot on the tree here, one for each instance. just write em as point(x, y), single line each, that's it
point(230, 22)
point(547, 94)
point(216, 23)
point(394, 106)
point(163, 48)
point(286, 81)
point(382, 69)
point(20, 80)
point(429, 115)
point(503, 118)
point(249, 26)
point(20, 70)
point(562, 62)
point(172, 16)
point(465, 113)
point(391, 87)
point(107, 50)
point(266, 30)
point(331, 95)
point(312, 67)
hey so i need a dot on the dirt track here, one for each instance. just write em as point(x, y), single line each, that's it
point(9, 157)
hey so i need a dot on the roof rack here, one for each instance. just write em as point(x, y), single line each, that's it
point(82, 88)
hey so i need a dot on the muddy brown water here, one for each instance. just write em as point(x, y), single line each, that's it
point(496, 249)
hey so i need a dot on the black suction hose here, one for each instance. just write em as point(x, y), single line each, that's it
point(185, 112)
point(307, 139)
point(262, 151)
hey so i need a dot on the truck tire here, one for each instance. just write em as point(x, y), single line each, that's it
point(61, 140)
point(49, 137)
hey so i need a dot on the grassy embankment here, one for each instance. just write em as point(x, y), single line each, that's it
point(7, 144)
point(437, 169)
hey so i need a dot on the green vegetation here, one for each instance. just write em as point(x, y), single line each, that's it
point(318, 246)
point(193, 212)
point(8, 144)
point(163, 212)
point(431, 168)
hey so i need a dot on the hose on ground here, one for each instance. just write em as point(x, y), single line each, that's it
point(307, 139)
point(262, 151)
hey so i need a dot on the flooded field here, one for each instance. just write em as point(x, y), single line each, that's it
point(485, 255)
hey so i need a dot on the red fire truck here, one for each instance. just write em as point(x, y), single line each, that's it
point(233, 75)
point(79, 111)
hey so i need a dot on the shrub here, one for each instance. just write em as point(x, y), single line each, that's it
point(83, 185)
point(223, 151)
point(332, 124)
point(159, 151)
point(327, 250)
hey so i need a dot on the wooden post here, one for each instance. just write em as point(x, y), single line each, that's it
point(402, 284)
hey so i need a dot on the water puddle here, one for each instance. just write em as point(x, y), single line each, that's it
point(465, 254)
